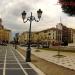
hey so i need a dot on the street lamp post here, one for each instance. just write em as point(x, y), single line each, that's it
point(15, 42)
point(30, 19)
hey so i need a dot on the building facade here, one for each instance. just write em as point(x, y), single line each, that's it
point(67, 35)
point(73, 35)
point(5, 34)
point(61, 35)
point(70, 35)
point(51, 36)
point(46, 37)
point(23, 38)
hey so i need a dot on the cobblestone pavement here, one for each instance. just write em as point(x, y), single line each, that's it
point(11, 63)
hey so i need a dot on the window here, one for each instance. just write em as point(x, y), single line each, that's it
point(49, 34)
point(53, 37)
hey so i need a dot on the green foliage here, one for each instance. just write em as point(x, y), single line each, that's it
point(67, 0)
point(68, 6)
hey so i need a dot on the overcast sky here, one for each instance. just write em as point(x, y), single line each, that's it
point(10, 12)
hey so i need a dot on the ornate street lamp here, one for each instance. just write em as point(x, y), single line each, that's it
point(23, 15)
point(30, 19)
point(39, 13)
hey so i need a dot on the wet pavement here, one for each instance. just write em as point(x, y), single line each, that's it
point(11, 63)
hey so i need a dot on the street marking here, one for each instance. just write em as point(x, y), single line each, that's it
point(19, 64)
point(10, 60)
point(28, 68)
point(13, 68)
point(20, 54)
point(33, 66)
point(17, 68)
point(4, 63)
point(10, 63)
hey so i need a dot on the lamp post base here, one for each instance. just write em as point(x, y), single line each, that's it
point(15, 47)
point(28, 55)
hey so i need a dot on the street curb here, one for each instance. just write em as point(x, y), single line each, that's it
point(33, 66)
point(36, 69)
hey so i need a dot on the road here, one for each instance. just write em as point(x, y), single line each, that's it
point(11, 63)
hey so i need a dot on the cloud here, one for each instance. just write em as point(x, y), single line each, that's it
point(10, 11)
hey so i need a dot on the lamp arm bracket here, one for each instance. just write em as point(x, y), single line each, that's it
point(26, 20)
point(36, 19)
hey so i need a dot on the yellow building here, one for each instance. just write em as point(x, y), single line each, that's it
point(23, 37)
point(34, 37)
point(47, 37)
point(50, 36)
point(5, 34)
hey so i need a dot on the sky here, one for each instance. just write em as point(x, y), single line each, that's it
point(10, 12)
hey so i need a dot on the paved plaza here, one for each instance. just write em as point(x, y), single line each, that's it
point(11, 63)
point(67, 61)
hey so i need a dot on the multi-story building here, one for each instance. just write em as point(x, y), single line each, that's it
point(73, 35)
point(46, 37)
point(5, 34)
point(64, 35)
point(51, 36)
point(67, 33)
point(34, 37)
point(23, 38)
point(70, 35)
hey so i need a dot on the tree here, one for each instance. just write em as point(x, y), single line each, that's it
point(68, 6)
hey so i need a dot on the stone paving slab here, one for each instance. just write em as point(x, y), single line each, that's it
point(12, 66)
point(67, 61)
point(14, 72)
point(50, 68)
point(31, 72)
point(25, 65)
point(11, 61)
point(1, 71)
point(1, 65)
point(22, 61)
point(1, 61)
